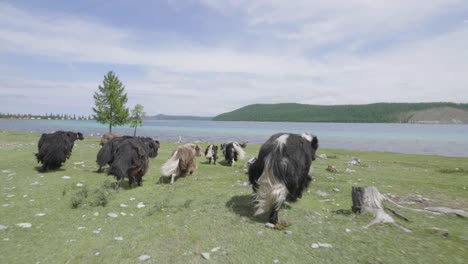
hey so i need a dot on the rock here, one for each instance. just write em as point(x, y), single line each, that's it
point(119, 238)
point(6, 239)
point(113, 215)
point(322, 194)
point(78, 163)
point(331, 178)
point(332, 169)
point(355, 161)
point(324, 245)
point(10, 195)
point(347, 230)
point(40, 214)
point(79, 184)
point(132, 199)
point(349, 171)
point(288, 232)
point(205, 255)
point(96, 231)
point(35, 183)
point(123, 205)
point(97, 254)
point(215, 249)
point(315, 245)
point(275, 261)
point(245, 184)
point(144, 257)
point(2, 227)
point(140, 205)
point(269, 225)
point(66, 177)
point(24, 225)
point(323, 156)
point(81, 227)
point(336, 189)
point(440, 232)
point(122, 213)
point(96, 214)
point(6, 171)
point(260, 233)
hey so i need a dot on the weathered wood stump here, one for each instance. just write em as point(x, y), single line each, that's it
point(369, 200)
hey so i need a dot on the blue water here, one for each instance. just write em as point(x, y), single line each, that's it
point(437, 139)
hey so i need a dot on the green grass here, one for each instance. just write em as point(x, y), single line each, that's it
point(212, 209)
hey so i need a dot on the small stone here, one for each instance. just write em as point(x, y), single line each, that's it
point(24, 196)
point(260, 233)
point(96, 214)
point(24, 225)
point(40, 214)
point(275, 261)
point(96, 231)
point(97, 254)
point(245, 184)
point(119, 238)
point(66, 177)
point(144, 257)
point(336, 189)
point(331, 169)
point(215, 249)
point(35, 183)
point(315, 245)
point(10, 195)
point(347, 230)
point(323, 156)
point(113, 215)
point(205, 255)
point(79, 184)
point(269, 225)
point(322, 193)
point(6, 239)
point(123, 205)
point(2, 227)
point(132, 199)
point(288, 232)
point(349, 171)
point(324, 245)
point(6, 171)
point(122, 213)
point(140, 205)
point(81, 227)
point(439, 231)
point(78, 163)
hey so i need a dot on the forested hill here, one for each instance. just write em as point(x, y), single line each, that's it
point(370, 113)
point(174, 117)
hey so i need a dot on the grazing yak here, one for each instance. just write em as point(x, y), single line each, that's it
point(128, 157)
point(281, 172)
point(211, 153)
point(233, 151)
point(182, 161)
point(55, 148)
point(107, 137)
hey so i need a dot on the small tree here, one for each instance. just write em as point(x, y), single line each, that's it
point(137, 117)
point(110, 102)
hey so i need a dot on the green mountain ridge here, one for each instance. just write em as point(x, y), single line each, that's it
point(436, 112)
point(176, 117)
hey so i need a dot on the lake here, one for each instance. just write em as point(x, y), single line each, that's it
point(436, 139)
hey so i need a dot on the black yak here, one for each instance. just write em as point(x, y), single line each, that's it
point(233, 152)
point(106, 154)
point(55, 148)
point(182, 161)
point(281, 172)
point(211, 153)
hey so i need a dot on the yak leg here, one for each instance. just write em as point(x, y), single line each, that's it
point(274, 217)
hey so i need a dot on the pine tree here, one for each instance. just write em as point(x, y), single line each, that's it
point(137, 117)
point(110, 102)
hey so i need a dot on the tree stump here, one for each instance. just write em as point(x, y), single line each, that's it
point(369, 200)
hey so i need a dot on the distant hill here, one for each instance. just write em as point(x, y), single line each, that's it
point(370, 113)
point(174, 117)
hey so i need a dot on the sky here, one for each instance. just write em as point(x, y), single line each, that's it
point(206, 57)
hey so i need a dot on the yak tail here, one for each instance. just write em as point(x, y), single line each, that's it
point(271, 191)
point(171, 166)
point(239, 150)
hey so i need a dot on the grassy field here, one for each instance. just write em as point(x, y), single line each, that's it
point(212, 209)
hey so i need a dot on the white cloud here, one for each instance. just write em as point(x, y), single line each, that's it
point(209, 79)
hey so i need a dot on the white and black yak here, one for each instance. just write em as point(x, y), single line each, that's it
point(281, 171)
point(233, 151)
point(182, 161)
point(55, 148)
point(130, 158)
point(106, 154)
point(211, 154)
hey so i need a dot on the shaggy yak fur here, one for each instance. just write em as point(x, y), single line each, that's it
point(55, 148)
point(106, 154)
point(129, 158)
point(182, 161)
point(107, 137)
point(211, 153)
point(281, 172)
point(233, 151)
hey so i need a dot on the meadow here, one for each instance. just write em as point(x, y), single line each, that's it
point(70, 211)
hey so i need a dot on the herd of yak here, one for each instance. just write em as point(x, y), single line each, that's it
point(279, 173)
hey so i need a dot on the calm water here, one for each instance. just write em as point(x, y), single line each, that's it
point(444, 140)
